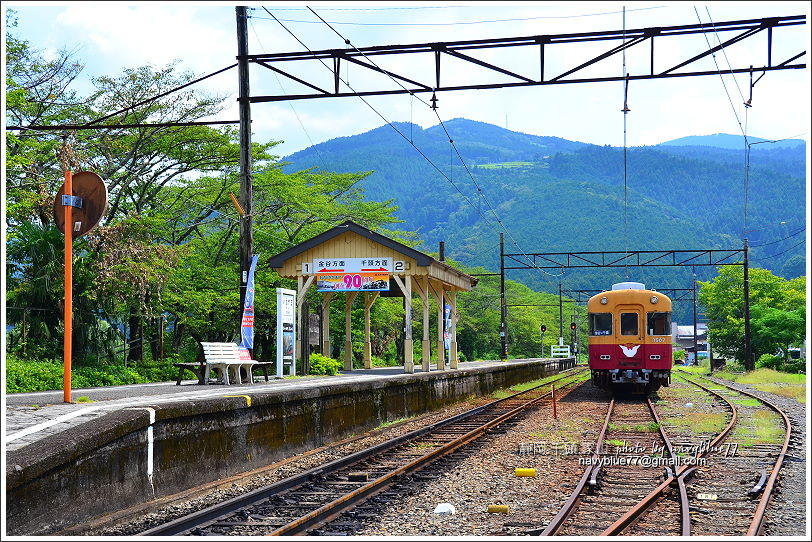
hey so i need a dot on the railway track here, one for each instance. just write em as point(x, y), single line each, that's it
point(302, 503)
point(730, 494)
point(727, 495)
point(620, 476)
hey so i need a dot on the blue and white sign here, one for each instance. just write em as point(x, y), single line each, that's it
point(247, 324)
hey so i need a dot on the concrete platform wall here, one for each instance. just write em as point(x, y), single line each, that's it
point(123, 459)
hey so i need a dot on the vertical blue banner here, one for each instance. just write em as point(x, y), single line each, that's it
point(247, 325)
point(447, 326)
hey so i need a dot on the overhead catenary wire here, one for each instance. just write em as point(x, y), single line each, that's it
point(793, 247)
point(779, 240)
point(453, 23)
point(625, 112)
point(480, 193)
point(742, 128)
point(435, 166)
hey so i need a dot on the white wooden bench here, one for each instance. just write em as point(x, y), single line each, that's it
point(226, 358)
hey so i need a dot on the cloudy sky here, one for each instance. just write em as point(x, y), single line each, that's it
point(110, 36)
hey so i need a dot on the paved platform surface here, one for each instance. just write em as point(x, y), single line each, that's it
point(33, 416)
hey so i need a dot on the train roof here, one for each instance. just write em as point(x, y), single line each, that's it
point(625, 291)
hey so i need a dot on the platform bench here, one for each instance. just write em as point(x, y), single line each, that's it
point(226, 359)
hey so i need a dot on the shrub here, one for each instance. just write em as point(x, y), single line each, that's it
point(27, 376)
point(322, 365)
point(679, 355)
point(381, 362)
point(24, 376)
point(794, 366)
point(768, 361)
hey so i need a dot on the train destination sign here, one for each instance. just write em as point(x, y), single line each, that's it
point(350, 274)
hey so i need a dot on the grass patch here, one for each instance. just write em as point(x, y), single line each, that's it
point(393, 422)
point(700, 422)
point(763, 428)
point(747, 402)
point(613, 442)
point(785, 384)
point(795, 392)
point(695, 369)
point(421, 445)
point(84, 399)
point(639, 428)
point(769, 376)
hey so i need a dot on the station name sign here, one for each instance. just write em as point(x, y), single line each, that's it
point(352, 274)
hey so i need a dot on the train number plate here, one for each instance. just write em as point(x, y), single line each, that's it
point(707, 496)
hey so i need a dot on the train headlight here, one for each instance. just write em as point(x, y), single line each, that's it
point(654, 299)
point(604, 301)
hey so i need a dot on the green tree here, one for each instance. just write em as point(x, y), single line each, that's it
point(773, 302)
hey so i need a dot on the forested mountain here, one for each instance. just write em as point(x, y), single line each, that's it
point(554, 195)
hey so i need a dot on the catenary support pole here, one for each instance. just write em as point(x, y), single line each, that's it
point(748, 354)
point(246, 187)
point(503, 325)
point(696, 331)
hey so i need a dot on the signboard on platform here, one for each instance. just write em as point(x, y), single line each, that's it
point(285, 330)
point(352, 274)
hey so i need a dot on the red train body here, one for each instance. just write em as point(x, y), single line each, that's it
point(630, 338)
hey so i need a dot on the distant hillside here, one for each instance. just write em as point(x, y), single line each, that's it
point(555, 195)
point(730, 141)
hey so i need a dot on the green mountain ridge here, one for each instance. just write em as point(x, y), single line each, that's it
point(554, 195)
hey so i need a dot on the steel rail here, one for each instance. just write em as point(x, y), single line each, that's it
point(757, 525)
point(208, 515)
point(333, 509)
point(631, 517)
point(566, 511)
point(679, 475)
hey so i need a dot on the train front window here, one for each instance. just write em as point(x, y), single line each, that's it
point(659, 323)
point(600, 323)
point(628, 323)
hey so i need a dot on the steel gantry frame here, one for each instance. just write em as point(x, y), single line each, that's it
point(362, 57)
point(629, 258)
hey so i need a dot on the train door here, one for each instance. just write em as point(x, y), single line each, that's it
point(630, 337)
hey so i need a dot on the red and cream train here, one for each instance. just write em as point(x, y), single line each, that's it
point(630, 338)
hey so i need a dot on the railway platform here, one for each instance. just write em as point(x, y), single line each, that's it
point(143, 441)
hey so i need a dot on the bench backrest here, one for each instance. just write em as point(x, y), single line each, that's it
point(220, 352)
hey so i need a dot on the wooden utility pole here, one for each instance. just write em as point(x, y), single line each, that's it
point(246, 187)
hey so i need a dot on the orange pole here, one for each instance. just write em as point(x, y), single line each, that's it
point(555, 414)
point(68, 340)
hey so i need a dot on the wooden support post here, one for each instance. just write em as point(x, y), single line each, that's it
point(368, 301)
point(301, 333)
point(439, 297)
point(408, 344)
point(348, 331)
point(325, 324)
point(405, 286)
point(426, 359)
